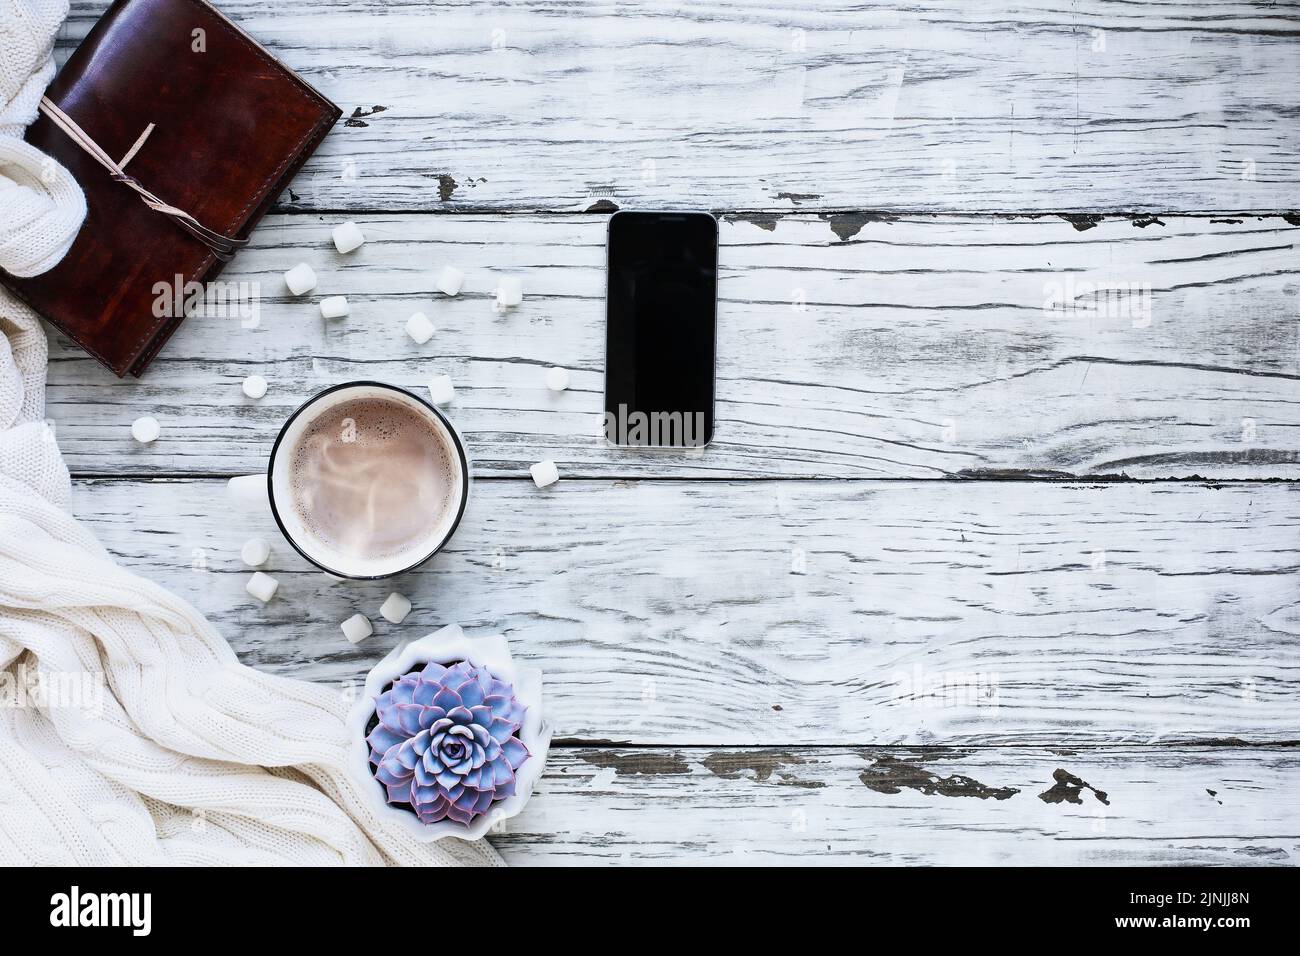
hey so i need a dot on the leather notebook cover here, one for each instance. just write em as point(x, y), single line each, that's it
point(231, 127)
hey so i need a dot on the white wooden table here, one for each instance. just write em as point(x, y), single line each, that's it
point(970, 574)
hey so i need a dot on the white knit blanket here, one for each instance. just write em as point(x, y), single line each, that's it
point(129, 732)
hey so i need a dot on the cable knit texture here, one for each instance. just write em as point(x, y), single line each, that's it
point(43, 206)
point(129, 732)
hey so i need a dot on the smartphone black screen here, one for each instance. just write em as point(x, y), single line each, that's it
point(660, 329)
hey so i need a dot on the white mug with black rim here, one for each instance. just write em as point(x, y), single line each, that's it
point(321, 549)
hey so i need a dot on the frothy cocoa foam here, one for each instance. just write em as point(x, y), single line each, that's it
point(372, 479)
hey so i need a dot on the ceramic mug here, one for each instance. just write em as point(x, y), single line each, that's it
point(329, 557)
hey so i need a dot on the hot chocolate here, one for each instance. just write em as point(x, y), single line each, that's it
point(373, 478)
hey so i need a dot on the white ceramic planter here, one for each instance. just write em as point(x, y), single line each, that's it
point(448, 646)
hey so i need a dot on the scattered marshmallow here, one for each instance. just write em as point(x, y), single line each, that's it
point(419, 328)
point(254, 386)
point(334, 307)
point(249, 492)
point(347, 236)
point(450, 281)
point(544, 473)
point(557, 379)
point(356, 628)
point(262, 586)
point(510, 292)
point(395, 608)
point(300, 279)
point(145, 430)
point(441, 390)
point(255, 552)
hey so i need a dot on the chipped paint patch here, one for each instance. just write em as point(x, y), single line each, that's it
point(639, 762)
point(1069, 789)
point(846, 225)
point(355, 118)
point(764, 220)
point(889, 775)
point(763, 764)
point(447, 184)
point(1081, 221)
point(1265, 852)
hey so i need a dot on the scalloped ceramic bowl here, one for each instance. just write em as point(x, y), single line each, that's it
point(448, 646)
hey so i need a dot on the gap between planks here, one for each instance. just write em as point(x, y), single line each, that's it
point(1062, 746)
point(1028, 478)
point(1066, 214)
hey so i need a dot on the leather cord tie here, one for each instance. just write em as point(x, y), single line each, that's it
point(223, 247)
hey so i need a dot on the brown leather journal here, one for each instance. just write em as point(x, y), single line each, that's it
point(231, 126)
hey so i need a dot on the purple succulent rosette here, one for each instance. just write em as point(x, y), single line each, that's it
point(446, 743)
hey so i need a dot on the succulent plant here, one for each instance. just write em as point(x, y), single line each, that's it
point(446, 743)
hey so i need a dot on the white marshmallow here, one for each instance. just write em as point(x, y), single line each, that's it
point(262, 586)
point(419, 328)
point(395, 608)
point(145, 430)
point(441, 390)
point(255, 552)
point(557, 379)
point(510, 292)
point(334, 307)
point(254, 386)
point(300, 279)
point(544, 473)
point(249, 492)
point(347, 236)
point(450, 280)
point(356, 628)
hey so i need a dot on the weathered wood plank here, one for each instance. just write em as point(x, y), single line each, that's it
point(916, 348)
point(912, 807)
point(820, 612)
point(942, 105)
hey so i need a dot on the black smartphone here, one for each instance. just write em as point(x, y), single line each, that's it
point(660, 332)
